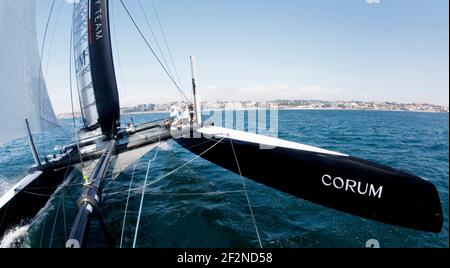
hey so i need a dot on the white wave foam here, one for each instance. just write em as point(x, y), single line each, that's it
point(165, 146)
point(4, 186)
point(15, 237)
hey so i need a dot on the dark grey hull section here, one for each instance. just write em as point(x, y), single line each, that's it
point(27, 202)
point(343, 183)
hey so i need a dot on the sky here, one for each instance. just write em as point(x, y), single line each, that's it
point(369, 50)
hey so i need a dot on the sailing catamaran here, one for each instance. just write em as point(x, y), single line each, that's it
point(328, 178)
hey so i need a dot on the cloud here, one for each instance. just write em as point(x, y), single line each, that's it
point(370, 2)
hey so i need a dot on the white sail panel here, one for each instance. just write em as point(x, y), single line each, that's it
point(82, 63)
point(23, 92)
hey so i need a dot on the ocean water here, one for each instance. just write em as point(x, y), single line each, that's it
point(203, 205)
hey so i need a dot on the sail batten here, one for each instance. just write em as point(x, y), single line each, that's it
point(23, 92)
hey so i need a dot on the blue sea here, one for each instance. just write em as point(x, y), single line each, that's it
point(203, 206)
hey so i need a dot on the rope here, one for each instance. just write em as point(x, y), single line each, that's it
point(42, 53)
point(75, 134)
point(157, 180)
point(57, 211)
point(59, 202)
point(42, 232)
point(72, 198)
point(173, 171)
point(193, 159)
point(142, 197)
point(153, 52)
point(64, 213)
point(105, 228)
point(40, 98)
point(156, 39)
point(70, 76)
point(126, 207)
point(54, 222)
point(122, 79)
point(148, 193)
point(165, 41)
point(53, 37)
point(182, 166)
point(246, 195)
point(196, 194)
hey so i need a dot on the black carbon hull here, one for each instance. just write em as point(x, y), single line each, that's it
point(340, 182)
point(28, 201)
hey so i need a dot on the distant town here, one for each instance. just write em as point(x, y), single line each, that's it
point(290, 105)
point(298, 104)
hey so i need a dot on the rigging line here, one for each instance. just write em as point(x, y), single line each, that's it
point(45, 218)
point(54, 222)
point(70, 75)
point(64, 213)
point(65, 132)
point(188, 194)
point(71, 83)
point(153, 52)
point(104, 228)
point(246, 195)
point(77, 11)
point(122, 78)
point(40, 97)
point(126, 206)
point(173, 171)
point(143, 196)
point(182, 166)
point(147, 193)
point(196, 194)
point(59, 203)
point(53, 37)
point(93, 163)
point(114, 173)
point(72, 198)
point(156, 40)
point(42, 231)
point(54, 195)
point(167, 43)
point(111, 182)
point(41, 56)
point(49, 187)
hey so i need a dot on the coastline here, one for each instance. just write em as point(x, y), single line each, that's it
point(374, 110)
point(69, 116)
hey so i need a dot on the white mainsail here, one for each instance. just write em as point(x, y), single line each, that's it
point(23, 92)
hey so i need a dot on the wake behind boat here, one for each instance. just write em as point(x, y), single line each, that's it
point(102, 148)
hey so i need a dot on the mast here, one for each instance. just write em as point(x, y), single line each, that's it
point(32, 145)
point(102, 67)
point(197, 106)
point(94, 65)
